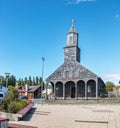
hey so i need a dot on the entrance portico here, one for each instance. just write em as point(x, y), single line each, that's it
point(79, 89)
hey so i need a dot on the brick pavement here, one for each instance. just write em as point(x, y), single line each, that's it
point(12, 125)
point(65, 116)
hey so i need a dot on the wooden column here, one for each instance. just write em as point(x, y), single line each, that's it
point(46, 97)
point(76, 92)
point(85, 90)
point(55, 91)
point(63, 91)
point(96, 88)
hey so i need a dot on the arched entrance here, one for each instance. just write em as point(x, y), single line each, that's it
point(59, 89)
point(50, 88)
point(81, 88)
point(91, 88)
point(70, 89)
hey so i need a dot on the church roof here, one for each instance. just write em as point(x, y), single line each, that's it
point(73, 70)
point(72, 30)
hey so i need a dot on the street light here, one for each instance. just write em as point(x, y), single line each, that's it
point(43, 59)
point(7, 76)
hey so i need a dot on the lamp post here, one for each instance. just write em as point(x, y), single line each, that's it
point(43, 59)
point(7, 76)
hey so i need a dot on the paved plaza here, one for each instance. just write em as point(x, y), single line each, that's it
point(72, 116)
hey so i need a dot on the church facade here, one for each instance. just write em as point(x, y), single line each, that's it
point(72, 80)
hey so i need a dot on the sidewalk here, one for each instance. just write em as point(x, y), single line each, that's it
point(73, 116)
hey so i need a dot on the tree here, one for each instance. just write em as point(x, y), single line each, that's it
point(33, 82)
point(109, 86)
point(14, 91)
point(1, 77)
point(41, 82)
point(3, 81)
point(37, 80)
point(12, 80)
point(19, 82)
point(30, 81)
point(26, 81)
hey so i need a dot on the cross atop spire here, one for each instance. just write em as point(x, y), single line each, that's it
point(73, 22)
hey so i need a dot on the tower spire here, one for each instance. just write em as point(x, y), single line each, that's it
point(72, 29)
point(73, 22)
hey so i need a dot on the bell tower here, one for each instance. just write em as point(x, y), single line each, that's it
point(72, 36)
point(72, 51)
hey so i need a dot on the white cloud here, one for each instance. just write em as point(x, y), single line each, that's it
point(113, 77)
point(117, 16)
point(78, 1)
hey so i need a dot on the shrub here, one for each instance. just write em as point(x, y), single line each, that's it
point(7, 100)
point(11, 103)
point(24, 102)
point(4, 105)
point(14, 91)
point(16, 106)
point(13, 107)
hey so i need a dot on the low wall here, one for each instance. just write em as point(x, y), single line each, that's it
point(4, 122)
point(10, 116)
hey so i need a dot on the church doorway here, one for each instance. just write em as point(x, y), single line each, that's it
point(81, 88)
point(91, 88)
point(72, 92)
point(50, 89)
point(59, 89)
point(70, 89)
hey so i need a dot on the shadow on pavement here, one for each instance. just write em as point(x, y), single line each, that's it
point(29, 115)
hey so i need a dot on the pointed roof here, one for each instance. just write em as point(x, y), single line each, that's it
point(72, 29)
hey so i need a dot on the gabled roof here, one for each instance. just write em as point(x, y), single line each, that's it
point(30, 89)
point(33, 88)
point(72, 70)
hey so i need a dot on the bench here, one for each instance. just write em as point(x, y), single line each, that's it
point(4, 122)
point(25, 110)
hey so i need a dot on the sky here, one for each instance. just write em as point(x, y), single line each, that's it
point(32, 29)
